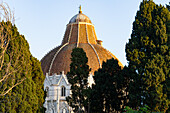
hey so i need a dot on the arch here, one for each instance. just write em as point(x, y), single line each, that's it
point(47, 91)
point(64, 110)
point(63, 91)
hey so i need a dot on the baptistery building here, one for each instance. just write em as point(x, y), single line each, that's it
point(80, 32)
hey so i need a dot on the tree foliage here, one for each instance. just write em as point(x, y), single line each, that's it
point(78, 78)
point(144, 109)
point(148, 56)
point(21, 85)
point(5, 38)
point(109, 89)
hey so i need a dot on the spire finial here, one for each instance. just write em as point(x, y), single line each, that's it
point(80, 11)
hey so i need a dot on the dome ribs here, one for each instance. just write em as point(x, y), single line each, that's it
point(46, 60)
point(74, 34)
point(55, 57)
point(82, 33)
point(103, 53)
point(66, 35)
point(62, 60)
point(80, 18)
point(91, 35)
point(70, 33)
point(94, 32)
point(77, 44)
point(96, 55)
point(93, 61)
point(91, 45)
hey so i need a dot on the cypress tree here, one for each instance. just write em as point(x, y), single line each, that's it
point(27, 96)
point(108, 91)
point(148, 56)
point(78, 78)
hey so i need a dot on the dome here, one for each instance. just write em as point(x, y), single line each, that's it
point(80, 32)
point(80, 18)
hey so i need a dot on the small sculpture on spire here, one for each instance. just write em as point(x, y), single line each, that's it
point(80, 11)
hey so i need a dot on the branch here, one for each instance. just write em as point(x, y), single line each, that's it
point(6, 36)
point(12, 87)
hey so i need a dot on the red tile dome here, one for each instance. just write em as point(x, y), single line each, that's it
point(80, 33)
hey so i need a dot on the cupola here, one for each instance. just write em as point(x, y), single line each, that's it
point(80, 32)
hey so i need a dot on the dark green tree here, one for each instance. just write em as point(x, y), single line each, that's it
point(78, 78)
point(108, 93)
point(148, 56)
point(19, 66)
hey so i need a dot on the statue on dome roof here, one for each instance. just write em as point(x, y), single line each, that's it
point(80, 11)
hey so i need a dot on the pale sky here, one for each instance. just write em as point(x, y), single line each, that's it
point(43, 22)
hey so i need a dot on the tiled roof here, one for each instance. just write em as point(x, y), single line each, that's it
point(80, 32)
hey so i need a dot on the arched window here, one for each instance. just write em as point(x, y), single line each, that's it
point(47, 91)
point(64, 110)
point(63, 91)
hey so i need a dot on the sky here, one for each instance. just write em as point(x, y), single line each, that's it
point(43, 22)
